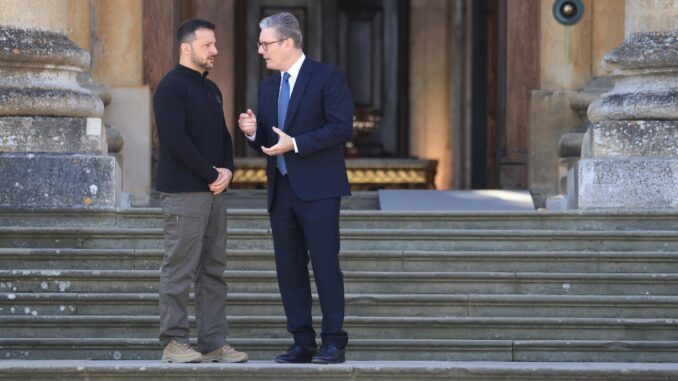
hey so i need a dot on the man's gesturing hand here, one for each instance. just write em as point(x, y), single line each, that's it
point(284, 144)
point(248, 123)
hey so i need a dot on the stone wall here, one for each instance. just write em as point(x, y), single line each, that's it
point(571, 60)
point(112, 32)
point(430, 86)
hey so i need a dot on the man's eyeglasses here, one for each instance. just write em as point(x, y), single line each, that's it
point(266, 44)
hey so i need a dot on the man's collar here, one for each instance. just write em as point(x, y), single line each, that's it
point(296, 67)
point(190, 72)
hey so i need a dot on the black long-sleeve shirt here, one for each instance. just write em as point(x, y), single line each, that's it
point(192, 130)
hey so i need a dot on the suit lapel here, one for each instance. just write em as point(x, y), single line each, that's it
point(298, 92)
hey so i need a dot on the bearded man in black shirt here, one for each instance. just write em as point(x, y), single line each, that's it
point(195, 168)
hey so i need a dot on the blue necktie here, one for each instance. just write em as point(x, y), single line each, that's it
point(283, 101)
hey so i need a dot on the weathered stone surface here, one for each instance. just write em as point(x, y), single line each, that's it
point(581, 100)
point(648, 183)
point(38, 75)
point(85, 80)
point(552, 109)
point(52, 15)
point(50, 102)
point(56, 135)
point(645, 50)
point(556, 203)
point(114, 140)
point(569, 144)
point(631, 152)
point(635, 138)
point(56, 181)
point(572, 193)
point(40, 46)
point(646, 85)
point(649, 16)
point(636, 104)
point(587, 279)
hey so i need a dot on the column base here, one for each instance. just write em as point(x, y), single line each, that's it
point(48, 181)
point(627, 183)
point(28, 134)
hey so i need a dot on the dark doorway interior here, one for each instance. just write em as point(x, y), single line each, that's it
point(484, 173)
point(368, 40)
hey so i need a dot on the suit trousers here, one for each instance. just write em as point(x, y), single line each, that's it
point(302, 230)
point(195, 251)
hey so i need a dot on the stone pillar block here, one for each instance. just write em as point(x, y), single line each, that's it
point(53, 151)
point(657, 138)
point(628, 183)
point(56, 181)
point(48, 134)
point(632, 158)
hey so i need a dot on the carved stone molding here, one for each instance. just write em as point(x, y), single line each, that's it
point(38, 75)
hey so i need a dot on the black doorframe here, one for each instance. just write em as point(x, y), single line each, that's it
point(403, 71)
point(239, 82)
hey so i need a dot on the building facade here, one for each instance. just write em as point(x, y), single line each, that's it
point(450, 94)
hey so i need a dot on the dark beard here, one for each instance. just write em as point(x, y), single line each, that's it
point(202, 64)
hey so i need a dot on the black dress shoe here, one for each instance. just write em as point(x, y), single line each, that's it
point(296, 354)
point(329, 354)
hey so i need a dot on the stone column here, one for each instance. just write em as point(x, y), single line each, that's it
point(630, 156)
point(53, 151)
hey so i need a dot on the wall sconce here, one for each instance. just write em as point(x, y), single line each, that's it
point(568, 12)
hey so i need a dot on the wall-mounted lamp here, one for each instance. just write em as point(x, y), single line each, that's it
point(568, 12)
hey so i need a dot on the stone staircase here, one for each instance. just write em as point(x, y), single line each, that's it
point(429, 295)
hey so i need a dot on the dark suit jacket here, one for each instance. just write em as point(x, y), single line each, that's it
point(320, 118)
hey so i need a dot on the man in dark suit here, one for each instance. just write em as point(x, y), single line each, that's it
point(305, 118)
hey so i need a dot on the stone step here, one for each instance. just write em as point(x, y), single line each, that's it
point(369, 219)
point(123, 370)
point(360, 239)
point(362, 349)
point(481, 220)
point(360, 327)
point(377, 260)
point(359, 282)
point(421, 305)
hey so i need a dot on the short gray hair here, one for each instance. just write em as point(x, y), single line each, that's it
point(285, 25)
